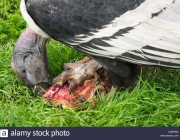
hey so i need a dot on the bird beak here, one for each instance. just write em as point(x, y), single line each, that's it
point(29, 61)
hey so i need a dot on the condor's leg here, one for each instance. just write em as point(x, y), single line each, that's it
point(121, 74)
point(76, 73)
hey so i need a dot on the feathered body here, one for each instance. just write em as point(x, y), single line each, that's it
point(113, 32)
point(136, 31)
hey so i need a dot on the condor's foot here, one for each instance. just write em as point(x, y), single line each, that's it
point(84, 79)
point(76, 73)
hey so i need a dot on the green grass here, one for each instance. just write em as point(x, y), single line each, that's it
point(155, 101)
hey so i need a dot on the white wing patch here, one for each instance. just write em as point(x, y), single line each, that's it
point(161, 33)
point(129, 19)
point(30, 21)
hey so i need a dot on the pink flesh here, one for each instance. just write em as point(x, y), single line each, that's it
point(56, 93)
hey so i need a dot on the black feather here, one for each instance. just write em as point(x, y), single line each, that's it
point(64, 19)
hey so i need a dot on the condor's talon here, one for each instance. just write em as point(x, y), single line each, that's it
point(79, 85)
point(100, 89)
point(76, 75)
point(96, 78)
point(75, 83)
point(82, 100)
point(62, 78)
point(71, 87)
point(60, 84)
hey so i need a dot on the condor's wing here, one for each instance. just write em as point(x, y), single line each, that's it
point(137, 31)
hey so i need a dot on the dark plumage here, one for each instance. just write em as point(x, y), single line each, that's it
point(119, 34)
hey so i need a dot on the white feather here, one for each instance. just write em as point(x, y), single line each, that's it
point(156, 6)
point(129, 19)
point(161, 23)
point(30, 21)
point(161, 32)
point(162, 54)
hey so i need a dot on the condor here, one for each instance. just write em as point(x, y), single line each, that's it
point(118, 34)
